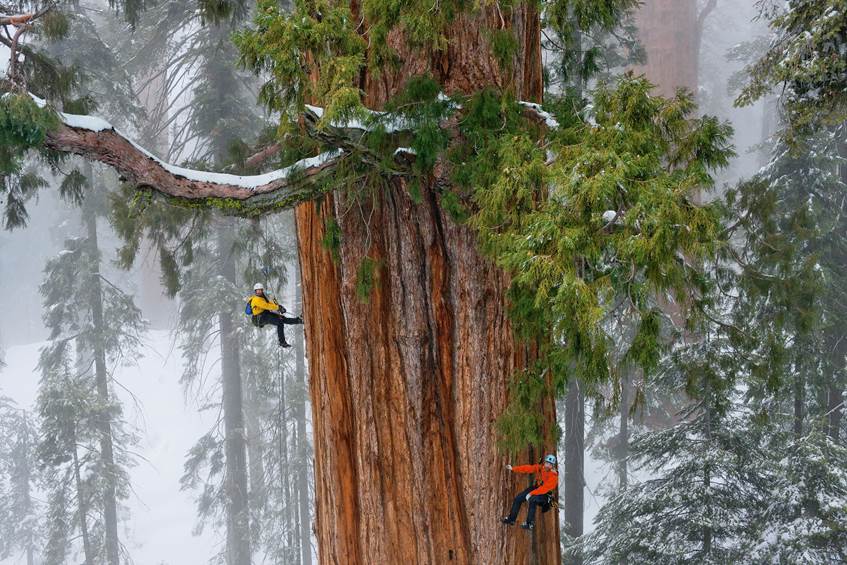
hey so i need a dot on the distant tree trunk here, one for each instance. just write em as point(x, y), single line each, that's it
point(101, 376)
point(82, 509)
point(255, 453)
point(284, 468)
point(623, 433)
point(700, 27)
point(799, 403)
point(235, 448)
point(707, 472)
point(406, 387)
point(574, 464)
point(668, 29)
point(304, 519)
point(835, 396)
point(835, 393)
point(153, 95)
point(26, 481)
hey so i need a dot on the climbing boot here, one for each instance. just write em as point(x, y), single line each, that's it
point(528, 526)
point(508, 521)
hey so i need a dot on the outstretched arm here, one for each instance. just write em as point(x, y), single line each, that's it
point(526, 469)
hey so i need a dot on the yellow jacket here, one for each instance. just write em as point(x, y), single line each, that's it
point(259, 304)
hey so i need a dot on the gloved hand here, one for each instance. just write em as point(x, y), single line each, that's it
point(528, 497)
point(509, 467)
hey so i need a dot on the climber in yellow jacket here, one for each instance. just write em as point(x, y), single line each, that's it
point(266, 311)
point(546, 481)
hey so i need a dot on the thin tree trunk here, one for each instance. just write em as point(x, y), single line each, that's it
point(623, 434)
point(235, 448)
point(304, 521)
point(27, 482)
point(406, 387)
point(255, 454)
point(153, 96)
point(574, 464)
point(835, 392)
point(707, 472)
point(700, 27)
point(82, 508)
point(623, 441)
point(835, 408)
point(101, 377)
point(284, 468)
point(799, 403)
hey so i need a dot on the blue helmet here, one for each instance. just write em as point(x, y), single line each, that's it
point(550, 459)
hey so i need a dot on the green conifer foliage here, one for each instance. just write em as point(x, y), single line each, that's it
point(21, 513)
point(808, 55)
point(612, 225)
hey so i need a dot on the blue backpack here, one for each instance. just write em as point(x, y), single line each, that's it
point(249, 311)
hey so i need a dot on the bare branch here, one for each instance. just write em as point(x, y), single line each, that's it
point(16, 20)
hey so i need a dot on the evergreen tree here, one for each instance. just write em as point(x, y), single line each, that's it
point(708, 481)
point(792, 255)
point(274, 451)
point(21, 518)
point(93, 324)
point(589, 41)
point(790, 317)
point(805, 520)
point(806, 56)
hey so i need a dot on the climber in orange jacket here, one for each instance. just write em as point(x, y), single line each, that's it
point(546, 481)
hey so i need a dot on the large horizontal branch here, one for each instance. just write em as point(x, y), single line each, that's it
point(15, 20)
point(134, 164)
point(97, 140)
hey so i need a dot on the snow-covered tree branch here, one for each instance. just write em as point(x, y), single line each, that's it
point(97, 140)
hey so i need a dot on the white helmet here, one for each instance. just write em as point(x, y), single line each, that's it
point(258, 286)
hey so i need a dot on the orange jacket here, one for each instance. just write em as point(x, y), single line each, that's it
point(544, 480)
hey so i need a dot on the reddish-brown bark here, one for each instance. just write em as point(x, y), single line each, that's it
point(406, 387)
point(668, 29)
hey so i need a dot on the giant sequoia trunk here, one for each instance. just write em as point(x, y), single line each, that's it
point(406, 387)
point(669, 31)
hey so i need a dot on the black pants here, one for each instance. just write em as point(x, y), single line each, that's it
point(280, 321)
point(534, 501)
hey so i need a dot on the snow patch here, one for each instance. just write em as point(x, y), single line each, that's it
point(548, 118)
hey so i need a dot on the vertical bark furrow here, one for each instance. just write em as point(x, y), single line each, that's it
point(337, 516)
point(429, 357)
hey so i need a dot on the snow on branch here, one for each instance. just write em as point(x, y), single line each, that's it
point(96, 139)
point(540, 114)
point(394, 125)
